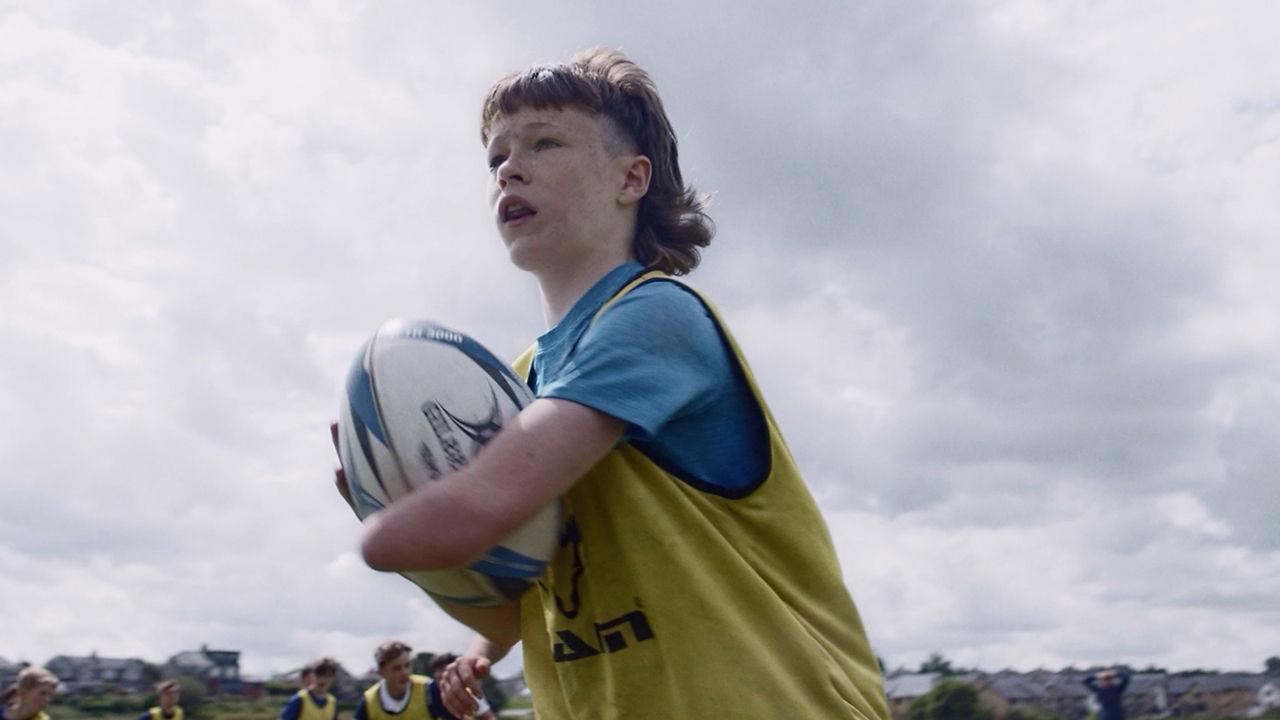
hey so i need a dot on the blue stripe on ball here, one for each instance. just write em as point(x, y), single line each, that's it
point(360, 395)
point(490, 565)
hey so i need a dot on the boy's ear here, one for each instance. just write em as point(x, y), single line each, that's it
point(635, 181)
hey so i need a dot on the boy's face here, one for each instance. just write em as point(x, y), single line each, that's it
point(557, 193)
point(36, 698)
point(320, 683)
point(168, 698)
point(396, 672)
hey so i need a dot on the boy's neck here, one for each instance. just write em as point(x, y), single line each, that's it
point(561, 289)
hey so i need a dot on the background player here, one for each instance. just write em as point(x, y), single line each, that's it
point(400, 695)
point(28, 695)
point(166, 707)
point(314, 702)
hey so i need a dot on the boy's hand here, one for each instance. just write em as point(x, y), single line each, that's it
point(339, 475)
point(460, 685)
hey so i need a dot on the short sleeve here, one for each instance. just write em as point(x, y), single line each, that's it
point(654, 355)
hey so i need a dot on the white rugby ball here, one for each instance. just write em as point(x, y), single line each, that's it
point(420, 401)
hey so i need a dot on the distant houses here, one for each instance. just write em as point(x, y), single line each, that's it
point(81, 675)
point(219, 670)
point(1158, 695)
point(1226, 694)
point(902, 688)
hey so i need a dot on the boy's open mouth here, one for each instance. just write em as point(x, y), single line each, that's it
point(516, 209)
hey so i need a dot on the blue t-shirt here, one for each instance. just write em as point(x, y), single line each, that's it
point(656, 359)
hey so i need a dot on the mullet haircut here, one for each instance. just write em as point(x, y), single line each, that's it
point(672, 222)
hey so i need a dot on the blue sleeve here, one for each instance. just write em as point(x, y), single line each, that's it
point(145, 716)
point(292, 709)
point(654, 354)
point(359, 713)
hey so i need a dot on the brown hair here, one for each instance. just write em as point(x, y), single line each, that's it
point(389, 651)
point(672, 222)
point(442, 661)
point(325, 667)
point(29, 678)
point(166, 685)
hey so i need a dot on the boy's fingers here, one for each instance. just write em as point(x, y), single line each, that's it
point(458, 700)
point(339, 475)
point(340, 481)
point(481, 670)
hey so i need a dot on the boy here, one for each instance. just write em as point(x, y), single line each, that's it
point(28, 695)
point(1108, 687)
point(314, 702)
point(695, 576)
point(167, 699)
point(400, 693)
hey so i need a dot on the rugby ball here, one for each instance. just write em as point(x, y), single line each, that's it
point(420, 401)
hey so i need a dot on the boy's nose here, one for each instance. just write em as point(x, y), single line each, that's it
point(509, 171)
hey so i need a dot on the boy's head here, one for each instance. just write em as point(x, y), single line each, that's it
point(31, 690)
point(395, 665)
point(389, 651)
point(307, 674)
point(322, 673)
point(671, 224)
point(167, 693)
point(439, 663)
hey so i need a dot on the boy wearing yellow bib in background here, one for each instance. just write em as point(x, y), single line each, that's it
point(29, 695)
point(166, 707)
point(314, 702)
point(695, 576)
point(400, 695)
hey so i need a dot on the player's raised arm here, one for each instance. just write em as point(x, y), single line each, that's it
point(532, 461)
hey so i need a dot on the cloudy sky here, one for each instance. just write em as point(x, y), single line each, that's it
point(1006, 271)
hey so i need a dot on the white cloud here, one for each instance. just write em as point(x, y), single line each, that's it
point(1004, 272)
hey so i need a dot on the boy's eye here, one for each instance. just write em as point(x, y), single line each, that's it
point(496, 160)
point(545, 143)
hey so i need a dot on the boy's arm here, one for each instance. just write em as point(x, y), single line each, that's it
point(532, 461)
point(291, 709)
point(498, 625)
